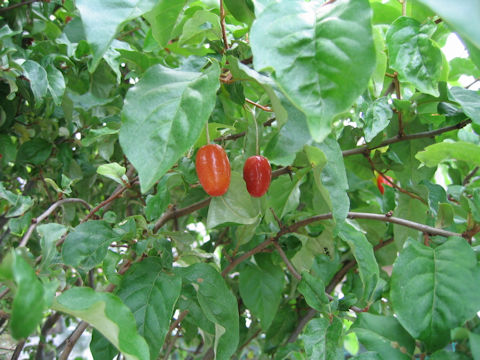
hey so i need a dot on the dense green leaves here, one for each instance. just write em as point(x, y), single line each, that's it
point(151, 294)
point(167, 121)
point(108, 315)
point(425, 287)
point(322, 56)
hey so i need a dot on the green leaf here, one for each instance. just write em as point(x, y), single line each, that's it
point(469, 101)
point(447, 355)
point(218, 304)
point(425, 286)
point(362, 250)
point(19, 204)
point(322, 55)
point(203, 24)
point(460, 150)
point(322, 339)
point(49, 235)
point(235, 206)
point(86, 246)
point(106, 313)
point(261, 288)
point(113, 171)
point(101, 348)
point(377, 118)
point(475, 345)
point(37, 76)
point(163, 115)
point(102, 19)
point(458, 18)
point(413, 55)
point(56, 83)
point(369, 355)
point(151, 294)
point(35, 151)
point(408, 208)
point(331, 179)
point(312, 247)
point(378, 76)
point(384, 335)
point(29, 302)
point(163, 18)
point(284, 194)
point(313, 289)
point(242, 10)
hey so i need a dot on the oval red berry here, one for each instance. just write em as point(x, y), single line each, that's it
point(257, 174)
point(213, 169)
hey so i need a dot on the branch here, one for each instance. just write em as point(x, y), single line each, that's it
point(287, 262)
point(395, 139)
point(18, 350)
point(176, 213)
point(46, 214)
point(222, 24)
point(264, 108)
point(72, 340)
point(49, 323)
point(470, 175)
point(14, 6)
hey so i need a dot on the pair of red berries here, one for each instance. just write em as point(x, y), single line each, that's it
point(213, 170)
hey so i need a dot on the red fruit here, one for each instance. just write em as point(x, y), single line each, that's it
point(213, 169)
point(257, 174)
point(68, 19)
point(382, 179)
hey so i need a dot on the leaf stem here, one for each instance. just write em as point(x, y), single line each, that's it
point(264, 108)
point(222, 24)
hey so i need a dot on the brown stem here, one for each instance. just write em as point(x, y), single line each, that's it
point(49, 323)
point(398, 93)
point(287, 262)
point(18, 350)
point(46, 214)
point(14, 6)
point(469, 176)
point(246, 255)
point(72, 340)
point(222, 24)
point(397, 138)
point(264, 108)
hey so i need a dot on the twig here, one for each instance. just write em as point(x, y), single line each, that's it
point(287, 262)
point(398, 93)
point(395, 139)
point(246, 255)
point(14, 6)
point(241, 134)
point(18, 350)
point(112, 197)
point(46, 214)
point(469, 176)
point(72, 340)
point(264, 108)
point(472, 83)
point(222, 24)
point(49, 323)
point(172, 214)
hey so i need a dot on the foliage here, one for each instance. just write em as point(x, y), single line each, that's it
point(104, 225)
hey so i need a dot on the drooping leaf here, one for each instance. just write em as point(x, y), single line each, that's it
point(313, 289)
point(458, 18)
point(261, 288)
point(113, 171)
point(165, 113)
point(49, 235)
point(106, 313)
point(86, 246)
point(469, 101)
point(284, 193)
point(321, 338)
point(219, 306)
point(425, 286)
point(56, 83)
point(322, 55)
point(384, 335)
point(151, 294)
point(29, 301)
point(19, 204)
point(362, 250)
point(236, 206)
point(460, 150)
point(38, 79)
point(413, 55)
point(377, 118)
point(102, 19)
point(241, 9)
point(163, 18)
point(101, 348)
